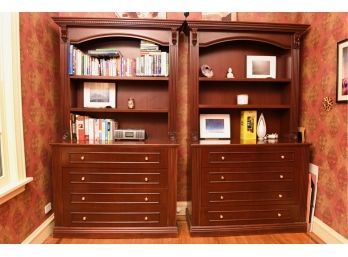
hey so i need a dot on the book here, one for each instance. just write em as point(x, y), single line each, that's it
point(248, 121)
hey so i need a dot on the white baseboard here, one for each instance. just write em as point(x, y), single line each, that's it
point(41, 233)
point(326, 233)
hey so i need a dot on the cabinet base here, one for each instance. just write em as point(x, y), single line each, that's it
point(245, 229)
point(115, 232)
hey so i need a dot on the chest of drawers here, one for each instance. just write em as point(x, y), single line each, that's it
point(114, 190)
point(240, 189)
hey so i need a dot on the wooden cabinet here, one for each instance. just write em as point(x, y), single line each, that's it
point(256, 186)
point(117, 188)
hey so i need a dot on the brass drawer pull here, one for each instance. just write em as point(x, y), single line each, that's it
point(281, 176)
point(146, 199)
point(84, 218)
point(221, 197)
point(146, 218)
point(146, 158)
point(146, 179)
point(282, 157)
point(83, 178)
point(83, 198)
point(222, 178)
point(82, 157)
point(221, 216)
point(280, 195)
point(279, 214)
point(223, 158)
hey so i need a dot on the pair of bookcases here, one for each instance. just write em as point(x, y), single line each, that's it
point(110, 188)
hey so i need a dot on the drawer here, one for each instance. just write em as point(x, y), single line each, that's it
point(104, 157)
point(223, 157)
point(117, 201)
point(115, 219)
point(255, 174)
point(251, 197)
point(89, 177)
point(250, 216)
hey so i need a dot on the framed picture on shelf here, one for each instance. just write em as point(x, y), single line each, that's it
point(99, 95)
point(261, 66)
point(342, 71)
point(215, 126)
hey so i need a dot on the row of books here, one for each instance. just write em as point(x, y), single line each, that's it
point(87, 129)
point(110, 62)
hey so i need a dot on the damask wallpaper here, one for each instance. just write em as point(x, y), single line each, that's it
point(39, 46)
point(327, 131)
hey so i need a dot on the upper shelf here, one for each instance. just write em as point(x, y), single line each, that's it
point(270, 80)
point(118, 78)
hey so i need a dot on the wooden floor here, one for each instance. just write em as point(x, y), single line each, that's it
point(184, 238)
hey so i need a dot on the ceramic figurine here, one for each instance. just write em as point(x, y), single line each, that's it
point(229, 73)
point(131, 103)
point(261, 127)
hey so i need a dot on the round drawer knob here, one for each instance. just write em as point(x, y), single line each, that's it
point(222, 178)
point(82, 157)
point(146, 179)
point(280, 195)
point(146, 218)
point(83, 178)
point(146, 199)
point(282, 157)
point(221, 197)
point(281, 176)
point(221, 216)
point(146, 158)
point(83, 198)
point(84, 218)
point(222, 157)
point(279, 214)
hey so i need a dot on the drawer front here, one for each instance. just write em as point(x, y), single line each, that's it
point(120, 178)
point(221, 157)
point(250, 216)
point(121, 201)
point(116, 219)
point(251, 197)
point(103, 157)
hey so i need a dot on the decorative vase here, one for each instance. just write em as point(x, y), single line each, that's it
point(261, 127)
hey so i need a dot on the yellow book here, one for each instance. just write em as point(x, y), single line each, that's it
point(248, 120)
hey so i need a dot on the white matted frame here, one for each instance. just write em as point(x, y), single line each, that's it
point(99, 94)
point(261, 66)
point(342, 71)
point(215, 126)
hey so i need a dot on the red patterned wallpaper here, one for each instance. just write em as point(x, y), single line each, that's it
point(39, 44)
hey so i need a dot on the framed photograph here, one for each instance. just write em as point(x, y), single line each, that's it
point(215, 126)
point(342, 71)
point(99, 95)
point(261, 66)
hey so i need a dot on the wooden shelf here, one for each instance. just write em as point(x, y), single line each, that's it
point(247, 106)
point(118, 78)
point(115, 110)
point(270, 80)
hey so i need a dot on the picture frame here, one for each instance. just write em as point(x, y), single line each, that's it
point(215, 126)
point(261, 66)
point(342, 72)
point(99, 95)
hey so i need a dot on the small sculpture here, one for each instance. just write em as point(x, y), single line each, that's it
point(230, 73)
point(131, 103)
point(261, 127)
point(207, 71)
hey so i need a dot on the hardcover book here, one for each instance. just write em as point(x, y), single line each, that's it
point(248, 120)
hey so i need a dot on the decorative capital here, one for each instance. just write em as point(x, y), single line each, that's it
point(64, 33)
point(297, 40)
point(174, 36)
point(172, 136)
point(194, 36)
